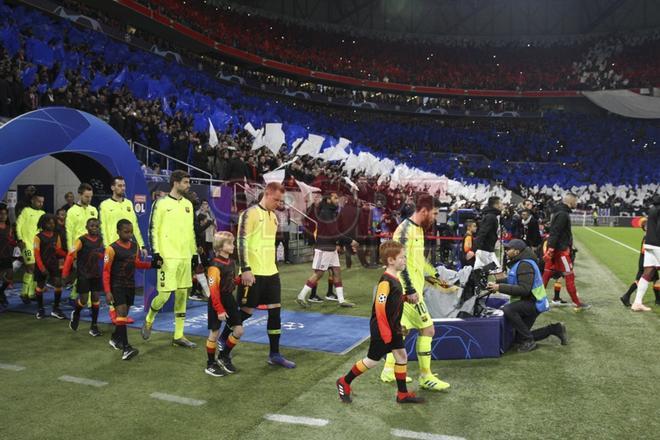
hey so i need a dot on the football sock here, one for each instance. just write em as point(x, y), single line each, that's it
point(40, 297)
point(339, 289)
point(358, 368)
point(58, 297)
point(210, 351)
point(274, 328)
point(400, 373)
point(95, 312)
point(424, 354)
point(180, 298)
point(307, 288)
point(231, 343)
point(642, 285)
point(121, 334)
point(557, 290)
point(27, 282)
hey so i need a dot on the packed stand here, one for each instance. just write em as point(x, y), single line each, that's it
point(560, 65)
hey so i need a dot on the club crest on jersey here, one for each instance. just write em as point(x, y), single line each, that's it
point(187, 209)
point(128, 208)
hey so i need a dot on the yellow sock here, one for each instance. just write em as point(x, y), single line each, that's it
point(156, 304)
point(424, 354)
point(389, 362)
point(180, 298)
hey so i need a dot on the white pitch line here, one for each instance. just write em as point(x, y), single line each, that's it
point(613, 240)
point(11, 367)
point(177, 399)
point(282, 418)
point(422, 435)
point(83, 381)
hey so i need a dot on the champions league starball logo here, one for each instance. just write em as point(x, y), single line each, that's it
point(450, 337)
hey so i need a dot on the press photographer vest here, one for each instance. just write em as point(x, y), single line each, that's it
point(542, 303)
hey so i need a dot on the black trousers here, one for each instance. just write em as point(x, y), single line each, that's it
point(522, 315)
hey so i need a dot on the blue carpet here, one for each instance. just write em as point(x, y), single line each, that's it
point(302, 330)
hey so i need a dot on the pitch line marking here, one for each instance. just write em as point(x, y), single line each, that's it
point(10, 367)
point(282, 418)
point(422, 435)
point(177, 399)
point(83, 381)
point(613, 240)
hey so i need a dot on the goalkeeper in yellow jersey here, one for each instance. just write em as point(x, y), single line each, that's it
point(410, 233)
point(173, 244)
point(76, 223)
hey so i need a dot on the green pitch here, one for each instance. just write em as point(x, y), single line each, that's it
point(604, 385)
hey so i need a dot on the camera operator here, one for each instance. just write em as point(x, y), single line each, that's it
point(524, 281)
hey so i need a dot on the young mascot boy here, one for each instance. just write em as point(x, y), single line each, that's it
point(385, 326)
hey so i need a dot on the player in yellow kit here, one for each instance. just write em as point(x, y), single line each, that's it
point(26, 230)
point(116, 208)
point(410, 233)
point(173, 242)
point(76, 222)
point(260, 279)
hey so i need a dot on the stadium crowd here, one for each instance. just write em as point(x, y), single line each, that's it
point(83, 70)
point(567, 64)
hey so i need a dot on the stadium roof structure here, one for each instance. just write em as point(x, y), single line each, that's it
point(474, 18)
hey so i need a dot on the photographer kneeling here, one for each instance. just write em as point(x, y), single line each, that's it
point(524, 280)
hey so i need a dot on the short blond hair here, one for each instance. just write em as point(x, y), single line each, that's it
point(220, 238)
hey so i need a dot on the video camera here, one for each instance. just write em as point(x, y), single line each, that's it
point(476, 286)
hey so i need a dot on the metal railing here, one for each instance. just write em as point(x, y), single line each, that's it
point(152, 155)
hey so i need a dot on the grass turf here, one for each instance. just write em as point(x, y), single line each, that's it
point(602, 385)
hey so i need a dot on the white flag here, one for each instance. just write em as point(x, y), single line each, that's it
point(274, 176)
point(274, 137)
point(307, 189)
point(311, 146)
point(213, 136)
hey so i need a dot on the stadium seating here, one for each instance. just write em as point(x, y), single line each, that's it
point(586, 63)
point(50, 61)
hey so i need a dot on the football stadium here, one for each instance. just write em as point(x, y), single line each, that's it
point(374, 219)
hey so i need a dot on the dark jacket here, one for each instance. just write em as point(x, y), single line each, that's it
point(530, 232)
point(487, 232)
point(561, 237)
point(348, 217)
point(653, 225)
point(525, 273)
point(328, 235)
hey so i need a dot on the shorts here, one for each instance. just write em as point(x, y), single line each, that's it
point(484, 258)
point(53, 271)
point(378, 348)
point(233, 314)
point(265, 290)
point(561, 262)
point(651, 256)
point(6, 264)
point(175, 274)
point(123, 296)
point(86, 285)
point(28, 256)
point(416, 316)
point(323, 260)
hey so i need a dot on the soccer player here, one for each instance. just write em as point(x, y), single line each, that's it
point(76, 222)
point(328, 240)
point(121, 259)
point(222, 306)
point(487, 234)
point(385, 327)
point(116, 208)
point(173, 243)
point(651, 255)
point(7, 244)
point(260, 280)
point(47, 249)
point(410, 233)
point(625, 299)
point(557, 256)
point(87, 251)
point(556, 275)
point(26, 229)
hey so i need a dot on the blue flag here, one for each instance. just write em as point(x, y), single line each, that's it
point(28, 76)
point(120, 79)
point(40, 53)
point(60, 81)
point(99, 81)
point(9, 37)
